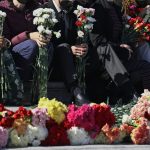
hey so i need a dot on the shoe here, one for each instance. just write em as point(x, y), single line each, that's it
point(79, 97)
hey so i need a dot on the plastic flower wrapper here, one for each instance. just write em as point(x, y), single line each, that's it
point(78, 136)
point(82, 117)
point(103, 115)
point(36, 134)
point(56, 110)
point(3, 137)
point(57, 134)
point(40, 116)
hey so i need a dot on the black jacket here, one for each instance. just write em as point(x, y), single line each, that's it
point(66, 24)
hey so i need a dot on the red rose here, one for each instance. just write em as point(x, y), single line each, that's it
point(78, 23)
point(131, 21)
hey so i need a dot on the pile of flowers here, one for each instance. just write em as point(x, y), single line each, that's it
point(52, 123)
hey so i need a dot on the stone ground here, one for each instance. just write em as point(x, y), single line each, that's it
point(89, 147)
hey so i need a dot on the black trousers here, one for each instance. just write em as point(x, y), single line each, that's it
point(64, 64)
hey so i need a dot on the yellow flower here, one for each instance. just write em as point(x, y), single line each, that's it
point(56, 110)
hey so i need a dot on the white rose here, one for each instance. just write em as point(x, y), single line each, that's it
point(80, 34)
point(41, 29)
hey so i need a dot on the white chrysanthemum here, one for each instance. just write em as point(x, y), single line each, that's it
point(80, 34)
point(78, 136)
point(58, 34)
point(38, 12)
point(46, 16)
point(35, 20)
point(101, 139)
point(18, 141)
point(91, 19)
point(41, 29)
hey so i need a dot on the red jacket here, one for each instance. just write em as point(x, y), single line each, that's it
point(17, 23)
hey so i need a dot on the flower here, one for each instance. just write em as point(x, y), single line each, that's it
point(80, 34)
point(82, 117)
point(36, 134)
point(56, 110)
point(57, 134)
point(41, 29)
point(3, 137)
point(40, 116)
point(103, 115)
point(58, 34)
point(18, 140)
point(78, 136)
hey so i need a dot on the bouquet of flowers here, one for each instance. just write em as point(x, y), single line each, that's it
point(135, 30)
point(45, 20)
point(84, 25)
point(11, 86)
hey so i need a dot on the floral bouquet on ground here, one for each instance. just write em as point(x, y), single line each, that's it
point(45, 20)
point(84, 25)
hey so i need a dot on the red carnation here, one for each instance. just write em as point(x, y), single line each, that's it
point(83, 17)
point(78, 23)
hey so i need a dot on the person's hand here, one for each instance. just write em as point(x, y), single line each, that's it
point(128, 47)
point(2, 42)
point(79, 50)
point(39, 38)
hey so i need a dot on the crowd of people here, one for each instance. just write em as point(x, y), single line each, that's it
point(114, 69)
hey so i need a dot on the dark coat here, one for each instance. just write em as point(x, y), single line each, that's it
point(103, 31)
point(17, 23)
point(66, 24)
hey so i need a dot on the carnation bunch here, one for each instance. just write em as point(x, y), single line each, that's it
point(40, 116)
point(82, 117)
point(45, 19)
point(56, 110)
point(3, 137)
point(103, 115)
point(142, 107)
point(78, 136)
point(84, 21)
